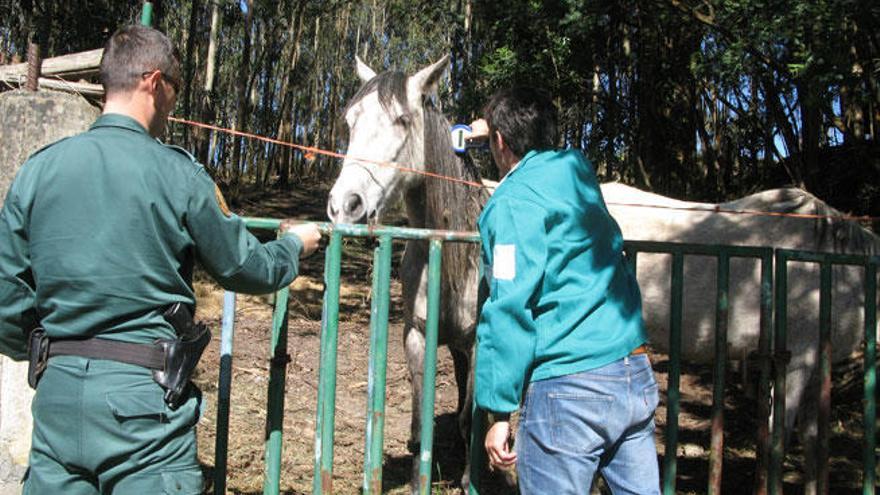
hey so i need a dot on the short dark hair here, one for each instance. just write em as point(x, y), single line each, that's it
point(525, 117)
point(132, 51)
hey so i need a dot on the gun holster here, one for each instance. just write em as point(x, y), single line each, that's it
point(38, 355)
point(181, 354)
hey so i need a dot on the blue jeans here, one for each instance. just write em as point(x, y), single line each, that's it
point(601, 419)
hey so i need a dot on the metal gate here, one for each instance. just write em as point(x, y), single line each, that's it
point(771, 350)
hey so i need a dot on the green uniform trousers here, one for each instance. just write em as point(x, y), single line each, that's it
point(101, 427)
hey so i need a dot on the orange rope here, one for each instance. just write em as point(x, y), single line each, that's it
point(309, 150)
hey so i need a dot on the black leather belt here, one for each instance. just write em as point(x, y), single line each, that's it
point(144, 355)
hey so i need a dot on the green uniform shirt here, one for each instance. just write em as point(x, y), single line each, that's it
point(561, 297)
point(99, 233)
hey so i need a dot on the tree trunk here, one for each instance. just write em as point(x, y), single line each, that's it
point(208, 113)
point(243, 106)
point(189, 63)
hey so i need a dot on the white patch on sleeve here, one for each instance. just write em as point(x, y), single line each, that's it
point(504, 262)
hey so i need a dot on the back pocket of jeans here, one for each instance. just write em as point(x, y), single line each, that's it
point(651, 398)
point(579, 421)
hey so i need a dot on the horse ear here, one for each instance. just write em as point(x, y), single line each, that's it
point(363, 70)
point(425, 81)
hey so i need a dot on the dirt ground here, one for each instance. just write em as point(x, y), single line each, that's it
point(251, 371)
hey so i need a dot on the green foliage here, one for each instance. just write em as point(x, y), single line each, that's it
point(705, 99)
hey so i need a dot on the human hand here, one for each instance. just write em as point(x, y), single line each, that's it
point(479, 131)
point(308, 234)
point(498, 445)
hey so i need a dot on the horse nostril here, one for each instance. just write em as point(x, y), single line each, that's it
point(332, 212)
point(353, 203)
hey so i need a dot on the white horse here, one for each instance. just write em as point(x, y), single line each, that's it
point(391, 120)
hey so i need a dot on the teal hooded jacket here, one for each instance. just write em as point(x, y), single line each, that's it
point(562, 298)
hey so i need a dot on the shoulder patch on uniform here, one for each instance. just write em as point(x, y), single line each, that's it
point(221, 201)
point(504, 262)
point(181, 151)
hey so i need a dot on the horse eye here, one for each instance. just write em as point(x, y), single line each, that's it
point(403, 121)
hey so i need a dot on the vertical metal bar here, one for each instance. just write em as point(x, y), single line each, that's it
point(34, 67)
point(673, 393)
point(224, 385)
point(777, 450)
point(147, 14)
point(275, 406)
point(825, 377)
point(324, 423)
point(428, 384)
point(764, 345)
point(378, 361)
point(478, 422)
point(870, 458)
point(716, 451)
point(478, 461)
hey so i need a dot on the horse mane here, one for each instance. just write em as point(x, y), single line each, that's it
point(839, 234)
point(391, 87)
point(451, 205)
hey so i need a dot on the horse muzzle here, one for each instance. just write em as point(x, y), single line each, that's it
point(351, 209)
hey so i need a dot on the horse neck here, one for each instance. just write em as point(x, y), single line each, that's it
point(414, 202)
point(449, 204)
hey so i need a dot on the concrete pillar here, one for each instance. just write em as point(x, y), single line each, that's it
point(28, 121)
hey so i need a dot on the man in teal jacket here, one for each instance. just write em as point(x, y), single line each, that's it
point(98, 236)
point(561, 331)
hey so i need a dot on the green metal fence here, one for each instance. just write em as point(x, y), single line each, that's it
point(372, 483)
point(826, 262)
point(771, 351)
point(723, 255)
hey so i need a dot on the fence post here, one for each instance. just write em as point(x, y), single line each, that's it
point(324, 424)
point(824, 417)
point(275, 410)
point(673, 393)
point(147, 14)
point(870, 380)
point(716, 450)
point(777, 450)
point(377, 367)
point(428, 383)
point(224, 386)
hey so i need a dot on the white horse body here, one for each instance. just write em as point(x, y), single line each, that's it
point(679, 221)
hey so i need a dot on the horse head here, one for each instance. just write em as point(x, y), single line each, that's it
point(386, 122)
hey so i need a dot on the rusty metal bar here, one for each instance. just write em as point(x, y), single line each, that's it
point(35, 63)
point(765, 343)
point(824, 434)
point(716, 450)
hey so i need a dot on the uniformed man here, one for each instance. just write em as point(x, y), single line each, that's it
point(98, 237)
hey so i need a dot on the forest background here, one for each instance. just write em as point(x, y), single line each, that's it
point(704, 100)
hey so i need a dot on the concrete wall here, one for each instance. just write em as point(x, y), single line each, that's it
point(28, 121)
